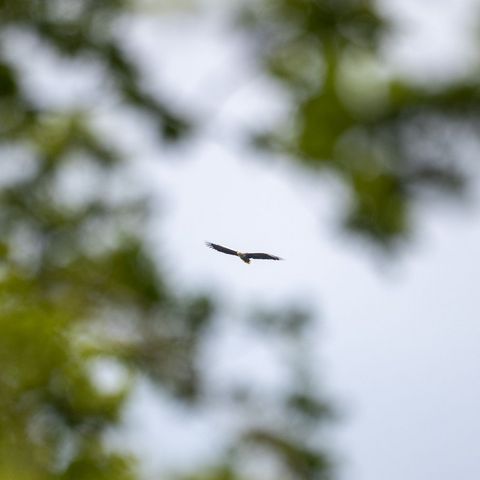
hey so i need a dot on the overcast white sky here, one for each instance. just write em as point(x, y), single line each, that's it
point(399, 343)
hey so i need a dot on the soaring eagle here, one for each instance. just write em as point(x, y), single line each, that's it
point(244, 256)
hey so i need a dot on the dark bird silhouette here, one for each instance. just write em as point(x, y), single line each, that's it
point(244, 256)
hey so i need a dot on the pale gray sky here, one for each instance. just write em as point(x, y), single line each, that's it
point(398, 344)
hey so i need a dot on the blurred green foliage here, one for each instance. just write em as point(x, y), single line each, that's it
point(78, 285)
point(79, 288)
point(388, 140)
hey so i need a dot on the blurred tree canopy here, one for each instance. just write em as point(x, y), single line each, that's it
point(389, 140)
point(78, 285)
point(79, 291)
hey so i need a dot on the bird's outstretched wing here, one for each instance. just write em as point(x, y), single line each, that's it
point(219, 248)
point(262, 256)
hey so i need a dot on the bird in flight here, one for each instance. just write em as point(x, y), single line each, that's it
point(246, 257)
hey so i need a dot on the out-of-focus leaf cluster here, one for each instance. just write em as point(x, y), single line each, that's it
point(386, 139)
point(283, 431)
point(83, 30)
point(67, 301)
point(76, 282)
point(79, 288)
